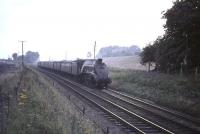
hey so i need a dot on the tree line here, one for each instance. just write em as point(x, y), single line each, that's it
point(29, 57)
point(115, 51)
point(179, 48)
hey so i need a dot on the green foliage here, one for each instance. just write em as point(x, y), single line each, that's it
point(38, 108)
point(14, 55)
point(31, 57)
point(179, 47)
point(115, 51)
point(183, 26)
point(147, 55)
point(175, 91)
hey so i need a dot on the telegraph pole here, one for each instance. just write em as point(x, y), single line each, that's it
point(94, 48)
point(22, 52)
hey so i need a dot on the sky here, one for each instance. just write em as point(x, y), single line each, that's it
point(67, 29)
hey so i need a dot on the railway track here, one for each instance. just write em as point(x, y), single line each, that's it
point(170, 120)
point(119, 110)
point(176, 116)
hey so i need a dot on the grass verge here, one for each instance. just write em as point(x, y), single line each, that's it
point(38, 108)
point(175, 91)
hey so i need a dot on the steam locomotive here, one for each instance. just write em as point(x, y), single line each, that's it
point(91, 72)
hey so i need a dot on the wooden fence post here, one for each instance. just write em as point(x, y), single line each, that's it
point(196, 70)
point(181, 70)
point(8, 99)
point(107, 130)
point(149, 67)
point(83, 111)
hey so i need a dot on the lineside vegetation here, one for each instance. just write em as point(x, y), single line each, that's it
point(178, 50)
point(36, 107)
point(175, 91)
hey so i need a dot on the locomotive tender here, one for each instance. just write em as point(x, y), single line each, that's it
point(92, 72)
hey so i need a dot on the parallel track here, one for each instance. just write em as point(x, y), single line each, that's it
point(156, 114)
point(118, 112)
point(146, 104)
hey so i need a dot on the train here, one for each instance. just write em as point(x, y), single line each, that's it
point(91, 72)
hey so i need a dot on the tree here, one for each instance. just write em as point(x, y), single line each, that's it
point(183, 29)
point(179, 47)
point(19, 58)
point(14, 55)
point(31, 57)
point(147, 55)
point(89, 55)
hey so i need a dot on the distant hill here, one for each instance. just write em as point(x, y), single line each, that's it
point(115, 51)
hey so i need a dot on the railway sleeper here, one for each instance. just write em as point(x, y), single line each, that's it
point(132, 120)
point(136, 122)
point(145, 127)
point(155, 131)
point(107, 116)
point(112, 120)
point(130, 131)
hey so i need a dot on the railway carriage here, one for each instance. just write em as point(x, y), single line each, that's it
point(50, 65)
point(66, 67)
point(57, 66)
point(45, 64)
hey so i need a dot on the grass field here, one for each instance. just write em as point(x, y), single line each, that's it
point(125, 62)
point(175, 91)
point(38, 107)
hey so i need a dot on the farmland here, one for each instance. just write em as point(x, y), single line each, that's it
point(125, 62)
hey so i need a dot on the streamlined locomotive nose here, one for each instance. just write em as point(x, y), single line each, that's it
point(101, 71)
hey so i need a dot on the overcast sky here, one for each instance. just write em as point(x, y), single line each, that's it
point(60, 29)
